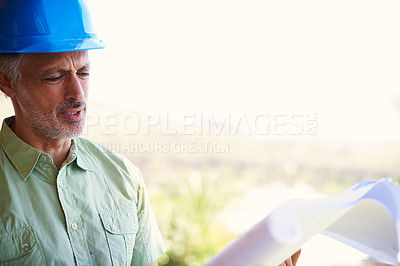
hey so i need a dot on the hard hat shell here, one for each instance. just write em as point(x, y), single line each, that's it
point(46, 26)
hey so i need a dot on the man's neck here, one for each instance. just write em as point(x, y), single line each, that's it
point(58, 149)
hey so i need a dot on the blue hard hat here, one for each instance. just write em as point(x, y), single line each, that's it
point(46, 26)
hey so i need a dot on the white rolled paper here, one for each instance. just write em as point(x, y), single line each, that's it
point(366, 217)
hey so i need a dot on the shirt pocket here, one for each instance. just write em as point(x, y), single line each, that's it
point(20, 247)
point(120, 229)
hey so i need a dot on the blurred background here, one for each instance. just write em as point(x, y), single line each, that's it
point(230, 108)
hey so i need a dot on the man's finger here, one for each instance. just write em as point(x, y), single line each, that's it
point(288, 262)
point(295, 257)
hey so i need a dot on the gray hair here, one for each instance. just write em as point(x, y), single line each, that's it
point(9, 65)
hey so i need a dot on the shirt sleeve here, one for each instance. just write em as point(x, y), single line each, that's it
point(148, 244)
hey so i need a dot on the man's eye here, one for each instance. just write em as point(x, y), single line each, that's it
point(53, 79)
point(84, 74)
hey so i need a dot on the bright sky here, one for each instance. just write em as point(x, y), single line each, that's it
point(337, 59)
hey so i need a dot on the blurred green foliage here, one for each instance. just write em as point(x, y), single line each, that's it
point(185, 209)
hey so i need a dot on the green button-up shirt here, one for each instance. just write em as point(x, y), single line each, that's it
point(93, 211)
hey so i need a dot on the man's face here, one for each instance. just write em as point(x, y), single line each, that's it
point(50, 98)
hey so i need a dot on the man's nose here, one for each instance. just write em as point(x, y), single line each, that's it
point(75, 89)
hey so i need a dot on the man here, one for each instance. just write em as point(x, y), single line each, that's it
point(63, 200)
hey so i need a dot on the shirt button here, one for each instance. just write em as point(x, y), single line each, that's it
point(74, 226)
point(114, 227)
point(25, 247)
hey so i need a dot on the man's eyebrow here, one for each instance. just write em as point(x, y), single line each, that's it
point(52, 70)
point(59, 69)
point(85, 67)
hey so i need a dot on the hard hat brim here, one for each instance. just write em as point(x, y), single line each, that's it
point(33, 45)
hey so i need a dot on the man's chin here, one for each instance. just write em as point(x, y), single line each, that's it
point(69, 135)
point(72, 130)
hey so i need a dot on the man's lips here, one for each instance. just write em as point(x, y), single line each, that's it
point(73, 114)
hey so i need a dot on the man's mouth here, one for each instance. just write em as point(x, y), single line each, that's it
point(72, 111)
point(72, 115)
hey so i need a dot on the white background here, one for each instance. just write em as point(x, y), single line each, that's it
point(339, 59)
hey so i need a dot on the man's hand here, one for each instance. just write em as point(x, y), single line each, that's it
point(292, 261)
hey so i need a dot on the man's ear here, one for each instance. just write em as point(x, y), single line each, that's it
point(6, 85)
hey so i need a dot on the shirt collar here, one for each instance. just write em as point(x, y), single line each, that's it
point(23, 156)
point(75, 154)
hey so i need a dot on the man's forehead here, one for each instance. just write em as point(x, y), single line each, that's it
point(43, 61)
